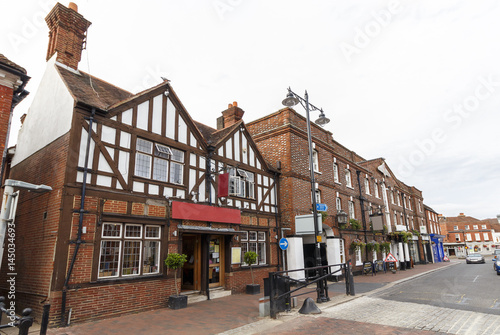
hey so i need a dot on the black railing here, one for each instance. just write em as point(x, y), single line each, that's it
point(25, 321)
point(280, 283)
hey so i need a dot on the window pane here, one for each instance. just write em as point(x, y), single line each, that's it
point(253, 246)
point(176, 173)
point(177, 155)
point(160, 169)
point(110, 257)
point(244, 248)
point(142, 165)
point(131, 256)
point(252, 235)
point(144, 146)
point(244, 236)
point(111, 230)
point(261, 235)
point(151, 257)
point(152, 232)
point(133, 230)
point(261, 252)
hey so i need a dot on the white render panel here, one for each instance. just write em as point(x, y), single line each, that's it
point(192, 178)
point(181, 194)
point(192, 159)
point(143, 115)
point(104, 181)
point(259, 194)
point(83, 148)
point(138, 187)
point(108, 134)
point(295, 258)
point(244, 145)
point(229, 149)
point(49, 117)
point(103, 164)
point(123, 163)
point(114, 118)
point(127, 117)
point(170, 119)
point(193, 141)
point(79, 177)
point(182, 130)
point(252, 158)
point(125, 140)
point(221, 151)
point(154, 189)
point(237, 146)
point(168, 192)
point(157, 114)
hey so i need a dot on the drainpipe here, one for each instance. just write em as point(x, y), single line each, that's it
point(81, 212)
point(406, 245)
point(276, 218)
point(363, 219)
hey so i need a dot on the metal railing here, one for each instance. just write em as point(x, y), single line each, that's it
point(25, 321)
point(280, 284)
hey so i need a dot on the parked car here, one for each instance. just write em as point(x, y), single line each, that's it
point(496, 252)
point(474, 258)
point(496, 264)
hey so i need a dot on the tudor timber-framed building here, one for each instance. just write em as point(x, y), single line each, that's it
point(134, 178)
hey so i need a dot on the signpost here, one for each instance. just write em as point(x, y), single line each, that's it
point(321, 207)
point(283, 243)
point(391, 260)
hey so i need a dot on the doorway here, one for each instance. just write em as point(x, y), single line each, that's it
point(216, 261)
point(191, 247)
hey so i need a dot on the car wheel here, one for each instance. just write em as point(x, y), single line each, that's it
point(467, 262)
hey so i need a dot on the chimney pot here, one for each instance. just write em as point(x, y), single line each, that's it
point(235, 104)
point(229, 106)
point(73, 6)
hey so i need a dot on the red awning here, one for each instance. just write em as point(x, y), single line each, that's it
point(196, 212)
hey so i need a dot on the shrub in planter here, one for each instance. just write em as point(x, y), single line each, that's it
point(250, 258)
point(176, 261)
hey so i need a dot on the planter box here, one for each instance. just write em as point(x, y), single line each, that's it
point(253, 289)
point(177, 301)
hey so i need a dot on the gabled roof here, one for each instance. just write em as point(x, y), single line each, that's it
point(215, 137)
point(92, 91)
point(5, 61)
point(460, 219)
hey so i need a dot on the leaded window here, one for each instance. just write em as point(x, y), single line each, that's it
point(159, 162)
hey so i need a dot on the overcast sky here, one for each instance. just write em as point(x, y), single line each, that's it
point(415, 82)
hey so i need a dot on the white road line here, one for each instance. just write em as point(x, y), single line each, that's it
point(475, 279)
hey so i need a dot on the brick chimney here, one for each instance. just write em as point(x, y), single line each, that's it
point(68, 34)
point(230, 116)
point(461, 214)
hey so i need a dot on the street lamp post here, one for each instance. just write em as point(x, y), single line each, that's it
point(291, 100)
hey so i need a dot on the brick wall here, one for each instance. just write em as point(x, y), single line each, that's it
point(6, 94)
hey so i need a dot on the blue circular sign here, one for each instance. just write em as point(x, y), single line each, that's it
point(283, 243)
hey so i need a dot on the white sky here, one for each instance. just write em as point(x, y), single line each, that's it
point(415, 82)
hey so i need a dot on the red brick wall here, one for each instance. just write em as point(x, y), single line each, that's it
point(6, 94)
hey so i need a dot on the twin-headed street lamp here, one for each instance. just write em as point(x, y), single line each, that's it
point(291, 100)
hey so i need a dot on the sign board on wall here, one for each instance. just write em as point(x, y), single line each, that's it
point(304, 224)
point(377, 222)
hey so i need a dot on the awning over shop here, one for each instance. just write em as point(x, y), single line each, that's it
point(196, 212)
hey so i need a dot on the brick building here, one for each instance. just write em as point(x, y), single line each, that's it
point(365, 190)
point(134, 178)
point(434, 230)
point(13, 80)
point(465, 234)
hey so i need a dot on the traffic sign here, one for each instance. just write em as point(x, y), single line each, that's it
point(390, 258)
point(283, 243)
point(321, 207)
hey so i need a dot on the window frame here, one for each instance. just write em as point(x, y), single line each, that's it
point(348, 178)
point(241, 183)
point(260, 241)
point(123, 239)
point(336, 178)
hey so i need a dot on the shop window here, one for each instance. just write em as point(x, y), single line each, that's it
point(159, 162)
point(254, 241)
point(129, 250)
point(241, 183)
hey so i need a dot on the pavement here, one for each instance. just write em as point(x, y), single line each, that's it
point(239, 314)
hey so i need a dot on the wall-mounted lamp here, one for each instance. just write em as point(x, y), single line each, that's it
point(174, 233)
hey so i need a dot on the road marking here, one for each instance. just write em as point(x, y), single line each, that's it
point(496, 304)
point(463, 301)
point(475, 279)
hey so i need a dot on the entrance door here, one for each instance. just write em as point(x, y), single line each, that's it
point(191, 270)
point(216, 261)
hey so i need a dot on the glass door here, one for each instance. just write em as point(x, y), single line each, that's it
point(191, 269)
point(215, 261)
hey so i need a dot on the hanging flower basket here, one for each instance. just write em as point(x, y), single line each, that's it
point(373, 246)
point(386, 247)
point(355, 224)
point(357, 244)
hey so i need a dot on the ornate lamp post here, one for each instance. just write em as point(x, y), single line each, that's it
point(291, 100)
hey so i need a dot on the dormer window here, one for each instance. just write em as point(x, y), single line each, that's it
point(241, 183)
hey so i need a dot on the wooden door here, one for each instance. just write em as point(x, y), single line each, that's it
point(191, 271)
point(216, 261)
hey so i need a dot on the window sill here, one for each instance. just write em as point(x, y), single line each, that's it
point(115, 280)
point(352, 188)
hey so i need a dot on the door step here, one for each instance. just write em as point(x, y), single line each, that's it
point(195, 296)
